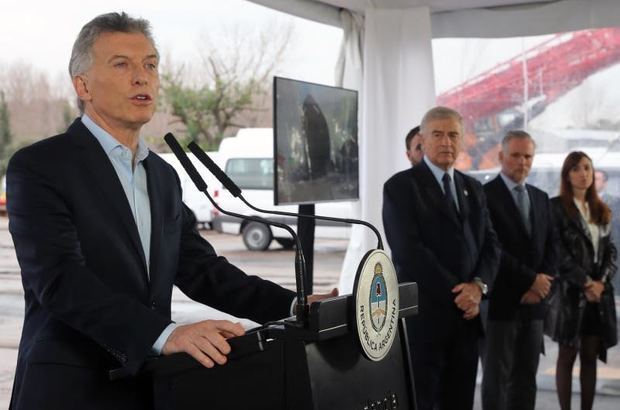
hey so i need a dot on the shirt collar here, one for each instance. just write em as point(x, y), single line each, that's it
point(509, 182)
point(109, 143)
point(438, 172)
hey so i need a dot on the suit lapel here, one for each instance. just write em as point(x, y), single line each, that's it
point(578, 221)
point(535, 210)
point(435, 193)
point(95, 161)
point(157, 225)
point(508, 203)
point(463, 195)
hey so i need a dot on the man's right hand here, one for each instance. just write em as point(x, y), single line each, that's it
point(541, 285)
point(530, 298)
point(205, 341)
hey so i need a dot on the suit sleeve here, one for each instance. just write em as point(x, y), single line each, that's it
point(550, 259)
point(408, 250)
point(489, 257)
point(608, 263)
point(519, 275)
point(210, 279)
point(522, 276)
point(54, 270)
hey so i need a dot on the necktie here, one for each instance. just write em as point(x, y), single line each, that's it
point(524, 207)
point(448, 191)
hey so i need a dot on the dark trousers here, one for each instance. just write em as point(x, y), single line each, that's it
point(510, 362)
point(445, 369)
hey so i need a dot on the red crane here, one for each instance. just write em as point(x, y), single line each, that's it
point(554, 67)
point(551, 68)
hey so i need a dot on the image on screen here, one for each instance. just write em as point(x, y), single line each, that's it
point(316, 150)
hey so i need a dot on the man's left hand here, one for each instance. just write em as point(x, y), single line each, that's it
point(469, 295)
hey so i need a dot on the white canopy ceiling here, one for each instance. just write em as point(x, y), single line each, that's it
point(472, 18)
point(434, 5)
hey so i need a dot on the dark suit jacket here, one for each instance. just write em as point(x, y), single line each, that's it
point(429, 247)
point(89, 302)
point(523, 256)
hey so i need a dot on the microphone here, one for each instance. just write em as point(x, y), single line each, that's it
point(201, 185)
point(236, 192)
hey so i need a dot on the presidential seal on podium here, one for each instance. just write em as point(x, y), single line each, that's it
point(376, 304)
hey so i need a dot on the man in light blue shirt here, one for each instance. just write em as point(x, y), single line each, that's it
point(102, 235)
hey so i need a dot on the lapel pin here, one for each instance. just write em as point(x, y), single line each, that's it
point(465, 192)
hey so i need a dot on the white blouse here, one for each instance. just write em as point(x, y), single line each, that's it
point(594, 229)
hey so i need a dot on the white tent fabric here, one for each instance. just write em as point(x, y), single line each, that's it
point(543, 17)
point(350, 74)
point(397, 89)
point(527, 20)
point(349, 67)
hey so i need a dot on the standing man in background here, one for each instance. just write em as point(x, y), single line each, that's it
point(413, 143)
point(521, 217)
point(102, 235)
point(601, 181)
point(437, 225)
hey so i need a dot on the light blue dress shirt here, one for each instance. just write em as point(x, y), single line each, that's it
point(438, 173)
point(510, 184)
point(132, 176)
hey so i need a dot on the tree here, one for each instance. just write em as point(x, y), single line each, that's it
point(5, 126)
point(231, 80)
point(36, 100)
point(6, 136)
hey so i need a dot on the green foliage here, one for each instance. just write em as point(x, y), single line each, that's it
point(5, 125)
point(230, 81)
point(208, 110)
point(8, 152)
point(68, 115)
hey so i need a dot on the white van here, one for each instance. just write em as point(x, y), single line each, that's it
point(193, 198)
point(247, 159)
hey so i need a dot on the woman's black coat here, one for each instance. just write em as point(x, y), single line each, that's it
point(575, 264)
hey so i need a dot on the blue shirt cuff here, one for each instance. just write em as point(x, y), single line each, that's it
point(158, 346)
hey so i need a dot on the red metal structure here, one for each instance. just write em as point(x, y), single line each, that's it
point(553, 68)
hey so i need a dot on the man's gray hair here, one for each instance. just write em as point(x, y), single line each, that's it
point(81, 57)
point(440, 113)
point(516, 134)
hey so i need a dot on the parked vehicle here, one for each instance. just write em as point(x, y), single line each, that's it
point(247, 159)
point(192, 197)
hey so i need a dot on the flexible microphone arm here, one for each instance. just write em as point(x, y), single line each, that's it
point(300, 263)
point(236, 192)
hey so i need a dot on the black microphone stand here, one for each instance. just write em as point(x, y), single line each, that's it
point(300, 265)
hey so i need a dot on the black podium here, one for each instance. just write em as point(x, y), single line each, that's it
point(283, 367)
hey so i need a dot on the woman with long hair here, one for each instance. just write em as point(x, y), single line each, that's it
point(585, 315)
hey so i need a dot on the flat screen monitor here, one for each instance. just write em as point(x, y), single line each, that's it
point(315, 143)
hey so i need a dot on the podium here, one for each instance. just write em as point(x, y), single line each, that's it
point(285, 367)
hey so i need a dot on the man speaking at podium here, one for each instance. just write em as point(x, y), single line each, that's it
point(438, 228)
point(101, 235)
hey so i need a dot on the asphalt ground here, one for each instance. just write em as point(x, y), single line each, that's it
point(275, 264)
